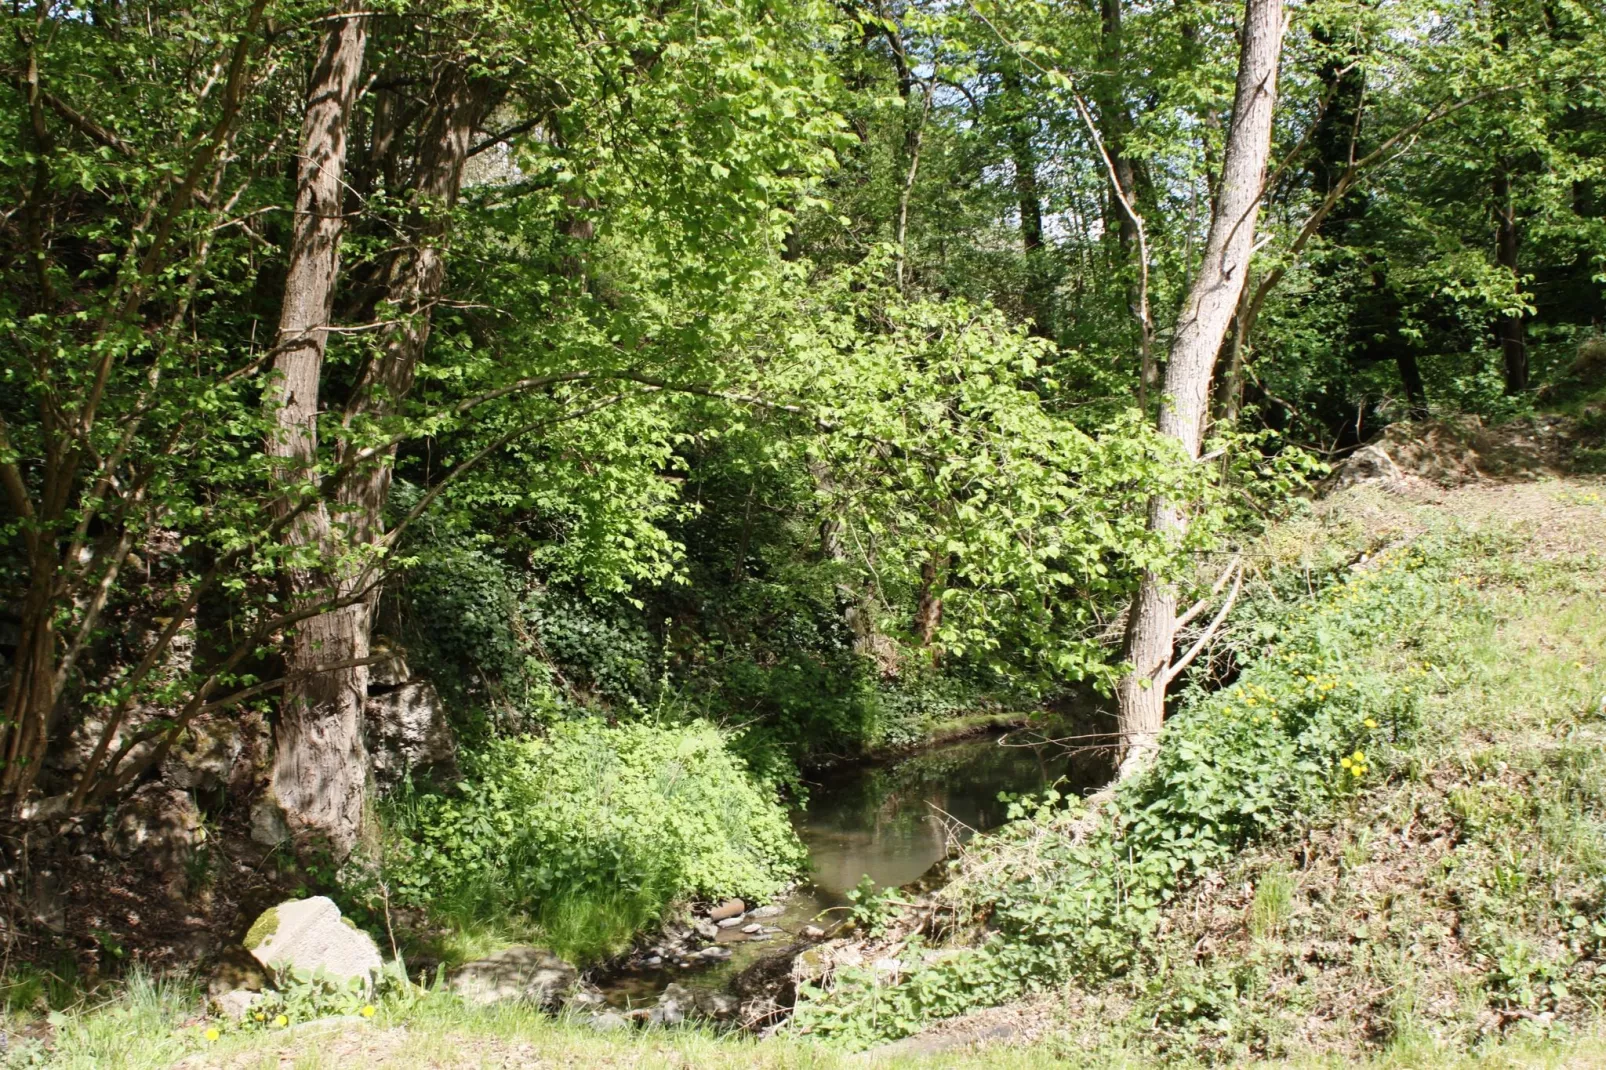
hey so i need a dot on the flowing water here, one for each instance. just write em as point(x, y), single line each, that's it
point(890, 821)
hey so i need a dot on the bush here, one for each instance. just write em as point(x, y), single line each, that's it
point(593, 830)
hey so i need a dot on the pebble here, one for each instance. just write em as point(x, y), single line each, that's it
point(773, 910)
point(715, 953)
point(753, 928)
point(813, 932)
point(656, 960)
point(730, 923)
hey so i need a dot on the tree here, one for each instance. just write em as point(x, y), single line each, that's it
point(1201, 325)
point(320, 764)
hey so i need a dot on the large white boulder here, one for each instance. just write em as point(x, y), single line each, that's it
point(310, 934)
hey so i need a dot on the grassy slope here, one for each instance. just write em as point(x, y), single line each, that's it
point(1458, 900)
point(1448, 908)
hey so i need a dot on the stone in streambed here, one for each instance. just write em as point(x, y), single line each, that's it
point(730, 923)
point(676, 1002)
point(730, 908)
point(753, 928)
point(716, 1005)
point(774, 910)
point(608, 1022)
point(310, 934)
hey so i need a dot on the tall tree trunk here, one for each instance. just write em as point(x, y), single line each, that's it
point(320, 765)
point(1230, 383)
point(1200, 327)
point(1115, 124)
point(413, 285)
point(1035, 293)
point(1510, 329)
point(928, 610)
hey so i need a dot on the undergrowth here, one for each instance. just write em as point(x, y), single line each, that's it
point(590, 832)
point(1325, 719)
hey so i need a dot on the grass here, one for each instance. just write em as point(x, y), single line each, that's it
point(150, 1024)
point(1458, 901)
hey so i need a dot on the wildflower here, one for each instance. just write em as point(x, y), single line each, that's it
point(212, 1033)
point(1358, 756)
point(368, 1011)
point(1357, 770)
point(1345, 762)
point(1370, 723)
point(281, 1021)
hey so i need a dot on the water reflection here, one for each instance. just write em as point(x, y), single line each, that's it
point(893, 821)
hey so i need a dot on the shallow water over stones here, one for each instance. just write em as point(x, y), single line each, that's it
point(890, 821)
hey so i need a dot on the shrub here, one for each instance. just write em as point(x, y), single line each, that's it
point(593, 829)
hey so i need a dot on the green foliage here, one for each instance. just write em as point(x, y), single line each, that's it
point(593, 830)
point(301, 995)
point(1079, 892)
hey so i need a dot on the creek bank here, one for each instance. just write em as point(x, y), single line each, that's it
point(889, 822)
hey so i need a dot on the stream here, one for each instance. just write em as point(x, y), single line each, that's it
point(889, 820)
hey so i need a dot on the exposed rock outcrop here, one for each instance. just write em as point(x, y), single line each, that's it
point(408, 731)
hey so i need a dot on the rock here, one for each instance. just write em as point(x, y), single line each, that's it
point(268, 826)
point(608, 1022)
point(773, 910)
point(43, 896)
point(730, 923)
point(390, 673)
point(203, 757)
point(654, 960)
point(236, 1004)
point(407, 731)
point(162, 826)
point(1369, 464)
point(676, 1002)
point(812, 932)
point(236, 969)
point(714, 954)
point(529, 974)
point(752, 929)
point(706, 929)
point(716, 1005)
point(310, 934)
point(730, 908)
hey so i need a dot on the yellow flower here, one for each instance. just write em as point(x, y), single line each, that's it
point(212, 1033)
point(1358, 756)
point(1345, 762)
point(1369, 723)
point(1357, 770)
point(281, 1021)
point(368, 1011)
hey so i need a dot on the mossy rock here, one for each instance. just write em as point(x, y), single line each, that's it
point(266, 925)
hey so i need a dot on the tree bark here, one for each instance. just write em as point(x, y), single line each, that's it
point(1201, 325)
point(1510, 329)
point(1115, 124)
point(928, 610)
point(320, 766)
point(1035, 295)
